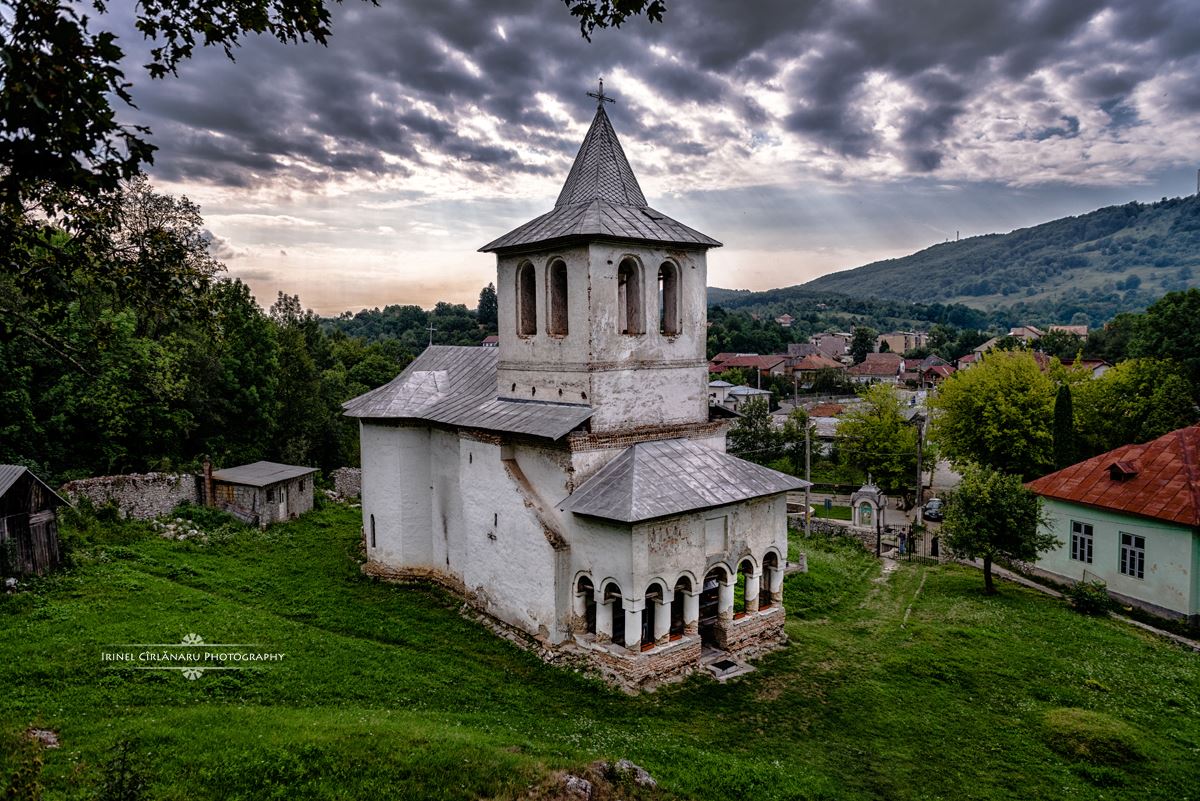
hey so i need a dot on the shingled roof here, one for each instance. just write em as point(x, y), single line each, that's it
point(456, 385)
point(673, 476)
point(1159, 479)
point(600, 199)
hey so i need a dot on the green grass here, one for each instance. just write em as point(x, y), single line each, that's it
point(834, 512)
point(388, 690)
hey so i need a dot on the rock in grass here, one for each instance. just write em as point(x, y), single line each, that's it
point(1092, 737)
point(577, 787)
point(639, 775)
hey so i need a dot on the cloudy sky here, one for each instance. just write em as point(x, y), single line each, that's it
point(808, 135)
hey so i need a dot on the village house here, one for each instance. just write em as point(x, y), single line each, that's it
point(785, 320)
point(877, 368)
point(806, 368)
point(901, 341)
point(572, 484)
point(737, 397)
point(28, 523)
point(832, 345)
point(718, 391)
point(1131, 518)
point(261, 493)
point(752, 363)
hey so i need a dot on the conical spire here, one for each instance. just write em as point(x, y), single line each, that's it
point(601, 170)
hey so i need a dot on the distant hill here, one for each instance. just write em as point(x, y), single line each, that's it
point(1118, 258)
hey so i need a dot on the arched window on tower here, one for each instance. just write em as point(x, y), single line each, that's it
point(558, 298)
point(629, 297)
point(526, 300)
point(668, 299)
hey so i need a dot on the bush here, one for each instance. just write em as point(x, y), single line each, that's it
point(1090, 598)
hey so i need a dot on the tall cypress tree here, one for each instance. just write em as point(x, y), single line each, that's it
point(1064, 428)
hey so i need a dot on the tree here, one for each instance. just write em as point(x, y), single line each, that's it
point(1064, 428)
point(875, 438)
point(992, 516)
point(792, 438)
point(998, 414)
point(1112, 342)
point(1136, 401)
point(488, 311)
point(862, 342)
point(1171, 330)
point(1062, 344)
point(753, 436)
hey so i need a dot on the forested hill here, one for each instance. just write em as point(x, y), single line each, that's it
point(1114, 259)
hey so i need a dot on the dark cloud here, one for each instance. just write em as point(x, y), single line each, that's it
point(399, 84)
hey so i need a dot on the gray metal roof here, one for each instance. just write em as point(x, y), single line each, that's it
point(11, 473)
point(456, 385)
point(668, 477)
point(261, 474)
point(601, 169)
point(601, 199)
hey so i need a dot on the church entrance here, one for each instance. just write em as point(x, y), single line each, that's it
point(710, 604)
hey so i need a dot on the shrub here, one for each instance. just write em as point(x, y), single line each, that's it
point(1090, 597)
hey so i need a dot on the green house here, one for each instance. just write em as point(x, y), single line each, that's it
point(1131, 518)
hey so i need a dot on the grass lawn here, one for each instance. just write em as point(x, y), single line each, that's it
point(388, 690)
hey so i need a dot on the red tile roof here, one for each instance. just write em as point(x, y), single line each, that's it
point(826, 410)
point(750, 360)
point(1165, 484)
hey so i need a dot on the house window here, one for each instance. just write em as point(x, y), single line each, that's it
point(1133, 555)
point(629, 297)
point(526, 300)
point(668, 299)
point(1081, 542)
point(270, 496)
point(558, 298)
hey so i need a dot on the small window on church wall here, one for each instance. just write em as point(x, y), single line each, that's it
point(526, 300)
point(629, 297)
point(668, 299)
point(558, 298)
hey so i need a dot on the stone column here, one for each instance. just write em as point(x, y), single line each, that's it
point(662, 622)
point(752, 587)
point(633, 625)
point(725, 600)
point(776, 585)
point(691, 613)
point(604, 612)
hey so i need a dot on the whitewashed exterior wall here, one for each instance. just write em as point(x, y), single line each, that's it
point(632, 380)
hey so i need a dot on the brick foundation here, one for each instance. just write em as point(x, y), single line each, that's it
point(756, 632)
point(628, 670)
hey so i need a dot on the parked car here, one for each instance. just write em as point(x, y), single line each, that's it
point(933, 509)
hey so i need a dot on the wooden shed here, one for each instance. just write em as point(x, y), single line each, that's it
point(262, 493)
point(28, 525)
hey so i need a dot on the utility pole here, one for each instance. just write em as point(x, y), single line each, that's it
point(807, 477)
point(920, 482)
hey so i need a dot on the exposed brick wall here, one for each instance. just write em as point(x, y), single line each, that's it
point(139, 496)
point(752, 634)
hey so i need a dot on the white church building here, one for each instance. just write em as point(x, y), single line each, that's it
point(572, 483)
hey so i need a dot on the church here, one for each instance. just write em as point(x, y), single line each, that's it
point(572, 483)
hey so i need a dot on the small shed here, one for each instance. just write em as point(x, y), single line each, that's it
point(262, 493)
point(28, 523)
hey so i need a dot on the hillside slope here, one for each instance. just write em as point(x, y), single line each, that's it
point(1117, 258)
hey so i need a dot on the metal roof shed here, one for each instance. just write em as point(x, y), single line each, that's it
point(262, 493)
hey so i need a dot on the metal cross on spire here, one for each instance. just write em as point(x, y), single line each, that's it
point(430, 329)
point(601, 98)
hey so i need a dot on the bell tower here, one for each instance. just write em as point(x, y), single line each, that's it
point(602, 300)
